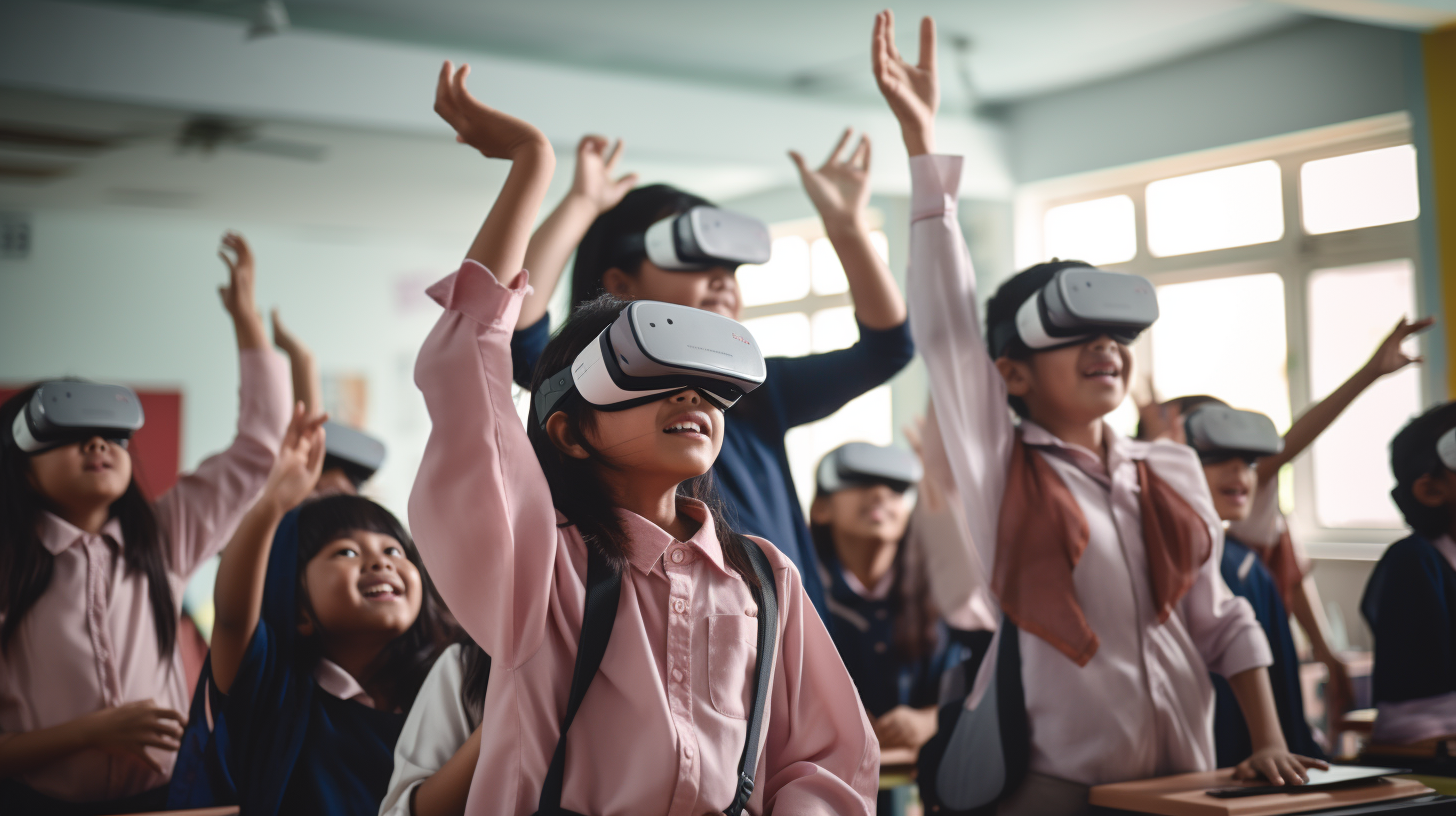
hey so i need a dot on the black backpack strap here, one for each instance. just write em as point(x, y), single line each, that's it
point(767, 597)
point(603, 591)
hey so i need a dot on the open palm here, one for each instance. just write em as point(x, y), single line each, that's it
point(840, 187)
point(1390, 357)
point(913, 91)
point(495, 134)
point(595, 166)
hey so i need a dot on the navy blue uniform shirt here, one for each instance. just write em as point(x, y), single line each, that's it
point(752, 470)
point(1410, 604)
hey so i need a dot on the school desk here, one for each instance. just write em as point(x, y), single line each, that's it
point(1186, 795)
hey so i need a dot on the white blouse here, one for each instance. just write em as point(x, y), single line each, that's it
point(438, 724)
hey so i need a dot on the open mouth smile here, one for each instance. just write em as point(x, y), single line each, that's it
point(380, 590)
point(692, 423)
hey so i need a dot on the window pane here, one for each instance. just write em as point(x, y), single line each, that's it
point(881, 245)
point(1100, 231)
point(1225, 338)
point(1233, 206)
point(1351, 309)
point(782, 335)
point(784, 278)
point(1359, 190)
point(866, 418)
point(834, 328)
point(828, 273)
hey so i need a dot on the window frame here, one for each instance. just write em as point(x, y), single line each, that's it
point(1294, 257)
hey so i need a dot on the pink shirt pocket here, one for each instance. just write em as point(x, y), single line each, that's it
point(732, 658)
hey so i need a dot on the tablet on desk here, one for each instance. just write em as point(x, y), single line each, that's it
point(1338, 776)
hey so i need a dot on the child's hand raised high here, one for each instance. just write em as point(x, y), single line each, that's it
point(839, 188)
point(1389, 357)
point(299, 463)
point(495, 134)
point(592, 182)
point(237, 296)
point(913, 91)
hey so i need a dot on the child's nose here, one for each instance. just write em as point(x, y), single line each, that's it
point(688, 397)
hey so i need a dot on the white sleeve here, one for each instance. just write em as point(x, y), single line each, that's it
point(437, 726)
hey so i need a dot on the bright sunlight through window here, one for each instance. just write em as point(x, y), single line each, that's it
point(1217, 209)
point(1100, 231)
point(1359, 190)
point(784, 278)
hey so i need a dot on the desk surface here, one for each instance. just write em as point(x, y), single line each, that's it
point(1185, 795)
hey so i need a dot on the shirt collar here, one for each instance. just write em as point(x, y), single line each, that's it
point(1120, 449)
point(58, 535)
point(332, 678)
point(880, 591)
point(646, 542)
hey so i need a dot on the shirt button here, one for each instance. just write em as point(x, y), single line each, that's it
point(677, 675)
point(680, 605)
point(881, 647)
point(688, 751)
point(751, 612)
point(677, 556)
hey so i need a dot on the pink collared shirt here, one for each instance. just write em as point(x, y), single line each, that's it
point(90, 643)
point(1143, 705)
point(663, 725)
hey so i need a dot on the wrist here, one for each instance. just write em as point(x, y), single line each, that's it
point(919, 138)
point(840, 226)
point(535, 150)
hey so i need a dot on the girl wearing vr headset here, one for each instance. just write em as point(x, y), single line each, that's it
point(1241, 454)
point(92, 687)
point(608, 227)
point(515, 525)
point(1410, 601)
point(1103, 551)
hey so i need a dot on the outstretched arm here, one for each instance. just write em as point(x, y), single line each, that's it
point(244, 566)
point(237, 296)
point(840, 189)
point(307, 387)
point(1388, 359)
point(593, 192)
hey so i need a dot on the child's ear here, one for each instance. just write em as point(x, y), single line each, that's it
point(561, 437)
point(618, 283)
point(1432, 491)
point(819, 511)
point(1016, 373)
point(305, 623)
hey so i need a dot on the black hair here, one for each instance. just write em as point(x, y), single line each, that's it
point(1002, 307)
point(1413, 455)
point(916, 621)
point(601, 248)
point(577, 490)
point(26, 566)
point(401, 667)
point(475, 665)
point(1185, 406)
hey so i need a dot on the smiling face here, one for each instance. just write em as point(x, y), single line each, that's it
point(673, 439)
point(713, 290)
point(863, 512)
point(1074, 384)
point(83, 476)
point(1233, 482)
point(361, 586)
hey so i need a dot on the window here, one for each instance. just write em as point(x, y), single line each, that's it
point(1262, 305)
point(1229, 207)
point(784, 278)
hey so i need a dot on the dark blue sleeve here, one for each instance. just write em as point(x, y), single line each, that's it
point(813, 387)
point(1409, 608)
point(526, 347)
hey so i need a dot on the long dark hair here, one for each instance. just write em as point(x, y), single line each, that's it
point(475, 666)
point(26, 566)
point(601, 248)
point(916, 621)
point(401, 667)
point(1413, 455)
point(577, 490)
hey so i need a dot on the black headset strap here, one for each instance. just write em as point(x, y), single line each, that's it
point(603, 592)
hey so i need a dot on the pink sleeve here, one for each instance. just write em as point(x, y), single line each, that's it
point(1221, 624)
point(820, 755)
point(940, 537)
point(969, 394)
point(203, 509)
point(481, 511)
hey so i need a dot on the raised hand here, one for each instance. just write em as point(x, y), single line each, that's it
point(840, 187)
point(300, 460)
point(128, 730)
point(1389, 357)
point(592, 181)
point(1161, 421)
point(913, 91)
point(237, 296)
point(495, 134)
point(287, 340)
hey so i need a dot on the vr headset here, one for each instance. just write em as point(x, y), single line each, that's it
point(702, 238)
point(653, 349)
point(357, 453)
point(1446, 449)
point(1077, 304)
point(1219, 432)
point(860, 463)
point(66, 411)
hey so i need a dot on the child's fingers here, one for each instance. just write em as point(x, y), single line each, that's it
point(799, 162)
point(890, 50)
point(861, 158)
point(626, 182)
point(614, 157)
point(927, 44)
point(838, 147)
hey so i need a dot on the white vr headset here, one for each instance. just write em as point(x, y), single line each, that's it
point(702, 238)
point(1446, 449)
point(67, 411)
point(358, 453)
point(1077, 304)
point(653, 349)
point(860, 463)
point(1219, 432)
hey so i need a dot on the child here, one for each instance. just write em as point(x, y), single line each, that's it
point(91, 681)
point(753, 470)
point(886, 627)
point(1410, 602)
point(662, 726)
point(326, 627)
point(1102, 550)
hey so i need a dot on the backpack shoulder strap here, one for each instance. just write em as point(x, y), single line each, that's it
point(603, 591)
point(767, 598)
